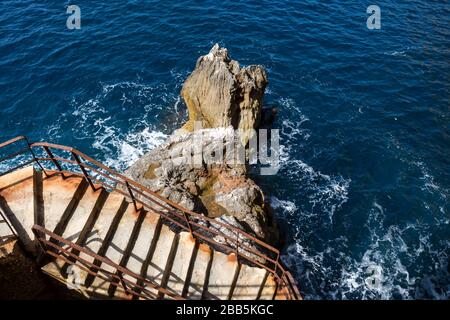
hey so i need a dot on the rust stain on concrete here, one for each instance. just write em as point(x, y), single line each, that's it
point(232, 257)
point(58, 183)
point(151, 218)
point(204, 248)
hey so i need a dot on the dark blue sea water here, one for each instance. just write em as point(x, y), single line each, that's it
point(364, 116)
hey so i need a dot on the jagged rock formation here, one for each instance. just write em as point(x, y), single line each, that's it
point(223, 97)
point(218, 189)
point(220, 93)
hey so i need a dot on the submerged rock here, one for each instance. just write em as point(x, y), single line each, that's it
point(200, 174)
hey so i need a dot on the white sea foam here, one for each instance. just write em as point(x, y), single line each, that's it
point(325, 193)
point(400, 53)
point(287, 207)
point(132, 147)
point(321, 195)
point(387, 250)
point(119, 146)
point(292, 128)
point(429, 182)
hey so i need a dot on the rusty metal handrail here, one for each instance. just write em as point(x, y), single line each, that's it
point(174, 212)
point(87, 266)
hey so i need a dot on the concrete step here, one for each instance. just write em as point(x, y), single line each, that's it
point(249, 283)
point(268, 291)
point(222, 276)
point(16, 202)
point(84, 213)
point(160, 259)
point(281, 293)
point(108, 225)
point(198, 277)
point(116, 249)
point(72, 277)
point(7, 247)
point(59, 197)
point(143, 243)
point(99, 232)
point(180, 267)
point(4, 229)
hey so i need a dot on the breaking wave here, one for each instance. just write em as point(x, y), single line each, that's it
point(387, 264)
point(122, 122)
point(380, 271)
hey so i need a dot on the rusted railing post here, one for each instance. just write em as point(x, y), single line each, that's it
point(279, 285)
point(56, 163)
point(237, 246)
point(293, 286)
point(34, 156)
point(86, 176)
point(122, 282)
point(39, 236)
point(285, 280)
point(188, 223)
point(277, 261)
point(7, 222)
point(131, 195)
point(285, 286)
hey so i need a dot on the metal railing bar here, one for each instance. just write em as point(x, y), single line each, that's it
point(220, 245)
point(93, 255)
point(6, 238)
point(53, 146)
point(167, 201)
point(15, 154)
point(34, 155)
point(54, 161)
point(170, 210)
point(17, 167)
point(131, 195)
point(159, 204)
point(135, 184)
point(96, 274)
point(86, 166)
point(77, 159)
point(13, 140)
point(293, 285)
point(59, 159)
point(248, 249)
point(5, 219)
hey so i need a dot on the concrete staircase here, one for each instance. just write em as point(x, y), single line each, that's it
point(105, 223)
